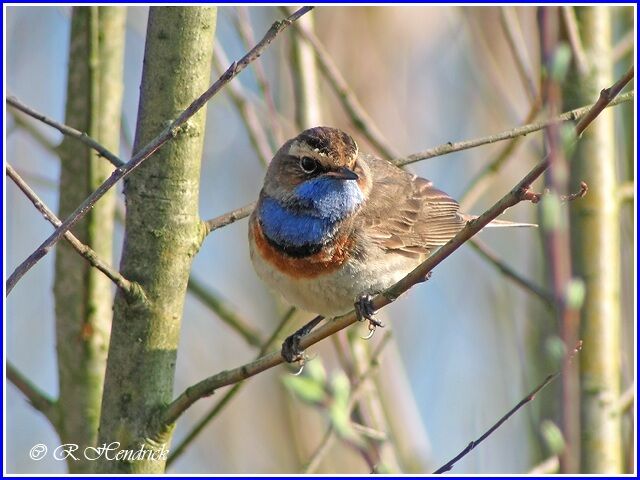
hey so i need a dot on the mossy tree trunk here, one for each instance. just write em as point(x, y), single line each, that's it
point(163, 233)
point(596, 252)
point(83, 295)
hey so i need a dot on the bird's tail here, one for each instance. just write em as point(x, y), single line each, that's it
point(501, 223)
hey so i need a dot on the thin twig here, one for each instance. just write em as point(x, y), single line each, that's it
point(606, 98)
point(207, 386)
point(486, 253)
point(168, 133)
point(347, 97)
point(571, 24)
point(228, 218)
point(256, 133)
point(446, 148)
point(217, 408)
point(131, 289)
point(531, 396)
point(40, 400)
point(67, 130)
point(572, 115)
point(513, 33)
point(250, 334)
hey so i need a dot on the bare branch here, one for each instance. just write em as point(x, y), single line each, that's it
point(606, 98)
point(40, 400)
point(168, 133)
point(572, 115)
point(531, 396)
point(131, 289)
point(228, 218)
point(207, 386)
point(218, 407)
point(67, 130)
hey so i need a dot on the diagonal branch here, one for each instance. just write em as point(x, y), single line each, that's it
point(67, 130)
point(131, 289)
point(446, 148)
point(169, 132)
point(40, 400)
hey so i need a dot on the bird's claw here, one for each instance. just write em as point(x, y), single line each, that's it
point(291, 350)
point(365, 311)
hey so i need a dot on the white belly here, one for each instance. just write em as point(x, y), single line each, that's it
point(334, 293)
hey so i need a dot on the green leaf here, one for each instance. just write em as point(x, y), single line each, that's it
point(305, 388)
point(553, 437)
point(575, 293)
point(315, 370)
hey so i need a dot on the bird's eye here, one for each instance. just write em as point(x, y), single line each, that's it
point(308, 164)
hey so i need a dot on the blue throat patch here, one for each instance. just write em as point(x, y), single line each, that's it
point(312, 214)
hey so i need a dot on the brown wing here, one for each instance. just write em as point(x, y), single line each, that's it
point(407, 214)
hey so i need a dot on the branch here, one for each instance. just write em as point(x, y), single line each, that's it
point(218, 407)
point(131, 289)
point(346, 96)
point(38, 399)
point(68, 131)
point(228, 218)
point(606, 98)
point(168, 133)
point(450, 147)
point(531, 396)
point(572, 115)
point(207, 386)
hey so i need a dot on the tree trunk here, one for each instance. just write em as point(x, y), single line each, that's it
point(83, 295)
point(163, 233)
point(596, 254)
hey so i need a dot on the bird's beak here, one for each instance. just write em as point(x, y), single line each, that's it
point(343, 173)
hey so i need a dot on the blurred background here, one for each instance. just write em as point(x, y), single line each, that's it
point(465, 347)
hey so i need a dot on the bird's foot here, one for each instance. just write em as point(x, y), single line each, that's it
point(291, 350)
point(365, 311)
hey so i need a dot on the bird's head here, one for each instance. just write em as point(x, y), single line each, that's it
point(318, 171)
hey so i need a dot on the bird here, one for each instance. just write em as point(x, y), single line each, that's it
point(333, 226)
